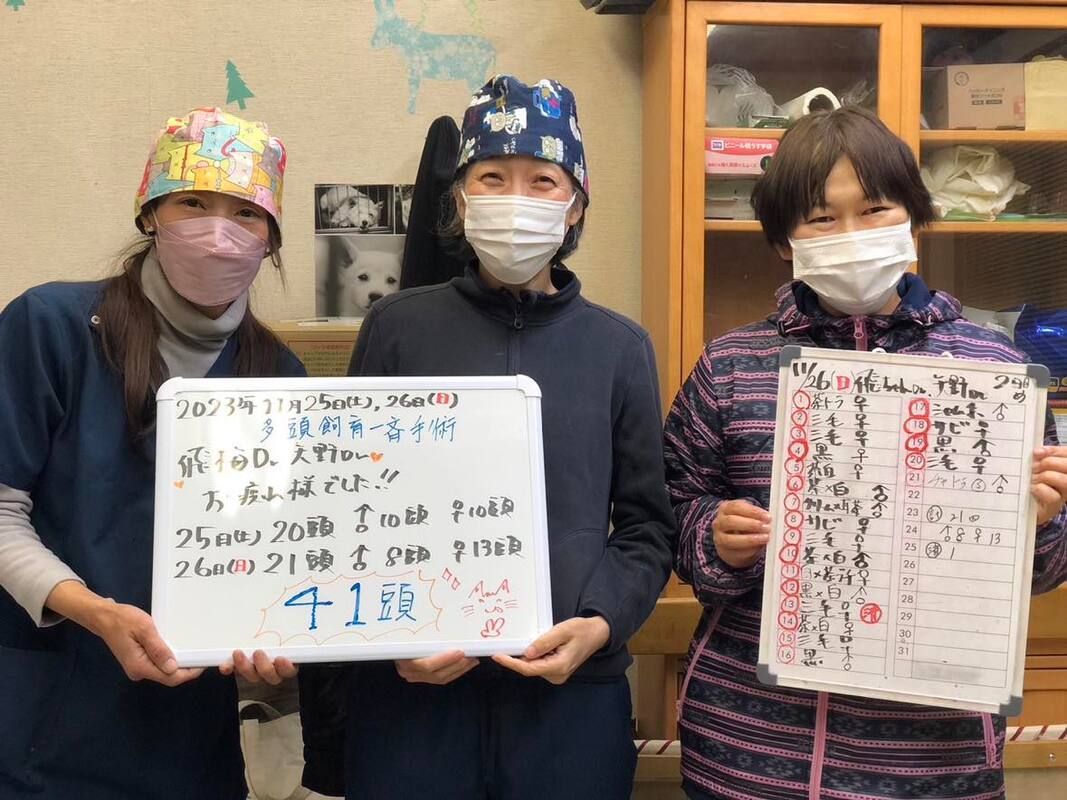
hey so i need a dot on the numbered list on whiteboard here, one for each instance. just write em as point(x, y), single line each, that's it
point(901, 526)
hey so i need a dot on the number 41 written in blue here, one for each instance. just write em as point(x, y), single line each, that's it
point(404, 597)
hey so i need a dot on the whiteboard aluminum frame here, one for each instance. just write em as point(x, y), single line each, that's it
point(162, 608)
point(1012, 704)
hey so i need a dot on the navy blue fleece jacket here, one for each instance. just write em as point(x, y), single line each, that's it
point(601, 421)
point(610, 525)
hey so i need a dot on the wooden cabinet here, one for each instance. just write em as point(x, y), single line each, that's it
point(703, 276)
point(729, 273)
point(1015, 265)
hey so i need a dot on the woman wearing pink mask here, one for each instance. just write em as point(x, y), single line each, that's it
point(94, 705)
point(841, 199)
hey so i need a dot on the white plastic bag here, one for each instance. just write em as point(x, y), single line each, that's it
point(734, 98)
point(971, 179)
point(274, 754)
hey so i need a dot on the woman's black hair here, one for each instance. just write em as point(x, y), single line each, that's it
point(795, 181)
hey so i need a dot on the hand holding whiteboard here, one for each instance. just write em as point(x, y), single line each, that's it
point(349, 518)
point(900, 561)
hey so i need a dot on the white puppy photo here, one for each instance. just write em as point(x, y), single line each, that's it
point(359, 245)
point(366, 273)
point(354, 272)
point(345, 206)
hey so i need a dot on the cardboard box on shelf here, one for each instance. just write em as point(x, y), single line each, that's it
point(982, 96)
point(324, 347)
point(731, 156)
point(1046, 95)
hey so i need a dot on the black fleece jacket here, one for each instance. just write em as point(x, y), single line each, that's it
point(610, 524)
point(601, 420)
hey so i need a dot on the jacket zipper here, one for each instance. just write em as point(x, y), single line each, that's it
point(819, 747)
point(859, 332)
point(990, 736)
point(517, 325)
point(679, 704)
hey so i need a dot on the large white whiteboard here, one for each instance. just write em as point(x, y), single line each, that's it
point(900, 560)
point(349, 518)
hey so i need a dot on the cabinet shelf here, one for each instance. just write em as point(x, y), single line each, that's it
point(993, 137)
point(732, 226)
point(746, 133)
point(931, 136)
point(1035, 227)
point(1051, 227)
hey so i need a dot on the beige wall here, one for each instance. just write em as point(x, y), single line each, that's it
point(84, 86)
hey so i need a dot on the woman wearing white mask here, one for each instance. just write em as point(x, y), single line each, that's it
point(841, 200)
point(555, 722)
point(93, 704)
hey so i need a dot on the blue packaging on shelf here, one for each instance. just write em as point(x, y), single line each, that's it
point(1042, 335)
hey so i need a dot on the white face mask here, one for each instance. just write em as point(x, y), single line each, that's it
point(514, 236)
point(855, 273)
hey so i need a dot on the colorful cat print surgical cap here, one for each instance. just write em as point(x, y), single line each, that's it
point(213, 151)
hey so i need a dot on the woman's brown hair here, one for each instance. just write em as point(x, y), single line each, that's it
point(129, 333)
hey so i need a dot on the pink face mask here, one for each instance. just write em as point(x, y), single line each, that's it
point(210, 261)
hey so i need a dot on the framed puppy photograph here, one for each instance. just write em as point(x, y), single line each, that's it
point(359, 245)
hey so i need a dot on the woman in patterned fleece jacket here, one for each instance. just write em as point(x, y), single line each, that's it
point(836, 173)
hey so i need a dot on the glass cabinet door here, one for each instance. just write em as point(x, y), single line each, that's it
point(984, 105)
point(746, 81)
point(986, 110)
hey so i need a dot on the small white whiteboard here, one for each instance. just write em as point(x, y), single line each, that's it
point(900, 561)
point(329, 519)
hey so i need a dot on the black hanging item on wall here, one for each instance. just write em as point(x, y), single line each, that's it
point(426, 261)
